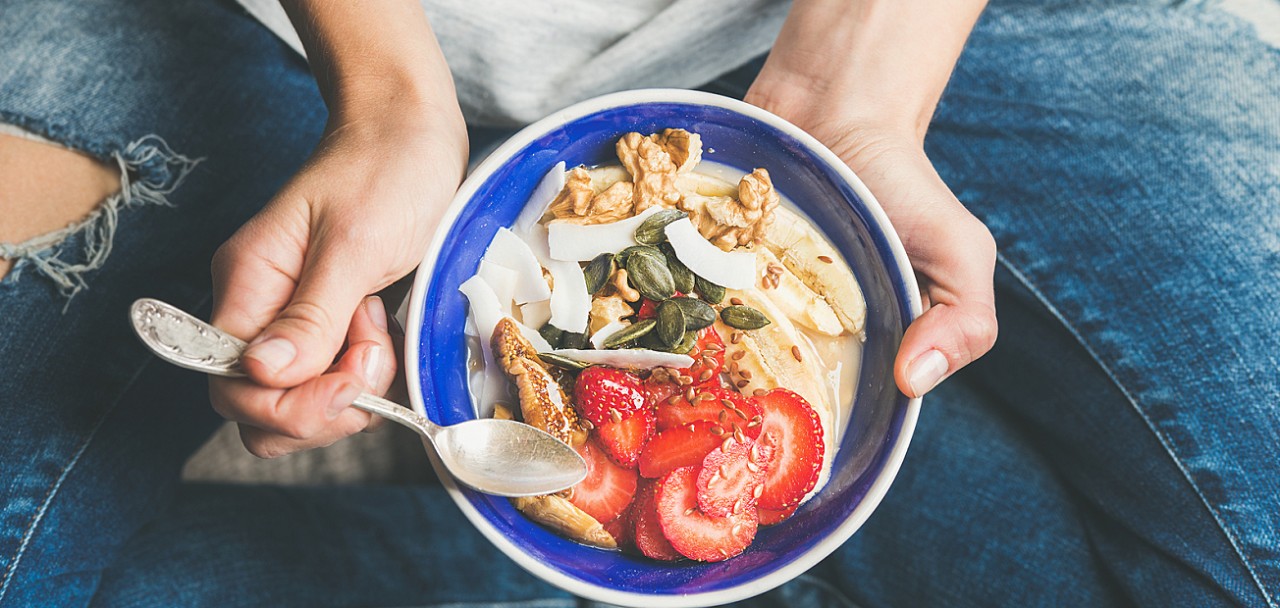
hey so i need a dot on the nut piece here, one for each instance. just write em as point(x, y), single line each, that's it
point(623, 286)
point(606, 310)
point(730, 223)
point(652, 170)
point(575, 198)
point(543, 404)
point(578, 202)
point(684, 148)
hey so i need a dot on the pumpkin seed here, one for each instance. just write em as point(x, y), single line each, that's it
point(653, 230)
point(697, 314)
point(711, 292)
point(651, 341)
point(743, 317)
point(573, 339)
point(551, 334)
point(562, 361)
point(685, 344)
point(598, 272)
point(649, 275)
point(680, 274)
point(670, 323)
point(629, 334)
point(622, 257)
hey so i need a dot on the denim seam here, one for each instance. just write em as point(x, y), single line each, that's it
point(1222, 526)
point(53, 491)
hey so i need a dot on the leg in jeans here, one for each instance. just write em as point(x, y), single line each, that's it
point(94, 432)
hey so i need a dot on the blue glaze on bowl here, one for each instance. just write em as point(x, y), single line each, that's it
point(801, 174)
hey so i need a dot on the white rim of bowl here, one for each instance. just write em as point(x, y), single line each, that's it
point(422, 280)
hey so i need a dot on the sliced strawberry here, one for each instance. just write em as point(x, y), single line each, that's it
point(648, 309)
point(605, 394)
point(621, 527)
point(693, 533)
point(790, 424)
point(608, 488)
point(647, 531)
point(625, 440)
point(708, 356)
point(658, 392)
point(769, 517)
point(676, 447)
point(725, 407)
point(729, 477)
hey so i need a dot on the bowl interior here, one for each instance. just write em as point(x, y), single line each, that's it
point(742, 142)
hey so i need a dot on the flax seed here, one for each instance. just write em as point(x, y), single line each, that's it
point(746, 373)
point(716, 430)
point(684, 381)
point(735, 337)
point(737, 506)
point(742, 383)
point(704, 396)
point(726, 444)
point(753, 467)
point(672, 400)
point(825, 259)
point(738, 355)
point(733, 367)
point(795, 352)
point(758, 491)
point(735, 301)
point(741, 414)
point(737, 434)
point(753, 424)
point(759, 393)
point(688, 395)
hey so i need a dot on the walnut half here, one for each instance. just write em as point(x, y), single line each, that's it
point(730, 223)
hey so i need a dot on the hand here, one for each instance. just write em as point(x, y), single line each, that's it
point(951, 251)
point(295, 280)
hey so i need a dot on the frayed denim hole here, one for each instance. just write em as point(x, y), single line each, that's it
point(149, 172)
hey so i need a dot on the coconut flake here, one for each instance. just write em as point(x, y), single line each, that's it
point(508, 250)
point(545, 192)
point(535, 314)
point(485, 312)
point(730, 269)
point(570, 302)
point(580, 243)
point(632, 358)
point(501, 280)
point(598, 338)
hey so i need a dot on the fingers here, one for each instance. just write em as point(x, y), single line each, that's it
point(316, 413)
point(956, 272)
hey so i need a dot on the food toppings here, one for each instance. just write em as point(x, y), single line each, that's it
point(604, 394)
point(608, 488)
point(693, 533)
point(792, 427)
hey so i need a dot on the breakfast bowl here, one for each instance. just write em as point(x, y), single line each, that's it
point(880, 419)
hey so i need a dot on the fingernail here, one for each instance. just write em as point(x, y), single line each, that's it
point(373, 360)
point(927, 371)
point(377, 311)
point(342, 400)
point(274, 353)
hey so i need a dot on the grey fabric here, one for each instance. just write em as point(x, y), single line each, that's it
point(515, 62)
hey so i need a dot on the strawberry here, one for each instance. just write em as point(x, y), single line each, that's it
point(769, 517)
point(657, 392)
point(625, 440)
point(605, 394)
point(790, 424)
point(727, 408)
point(621, 527)
point(648, 309)
point(731, 475)
point(608, 488)
point(676, 447)
point(647, 533)
point(708, 356)
point(693, 533)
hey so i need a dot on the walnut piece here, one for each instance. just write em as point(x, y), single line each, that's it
point(579, 203)
point(729, 223)
point(606, 310)
point(685, 148)
point(575, 198)
point(652, 171)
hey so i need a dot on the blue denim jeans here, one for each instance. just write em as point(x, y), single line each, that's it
point(1120, 445)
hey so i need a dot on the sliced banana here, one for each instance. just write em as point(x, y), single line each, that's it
point(608, 175)
point(815, 262)
point(800, 304)
point(705, 185)
point(562, 516)
point(769, 360)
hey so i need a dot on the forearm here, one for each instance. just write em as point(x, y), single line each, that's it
point(371, 60)
point(866, 62)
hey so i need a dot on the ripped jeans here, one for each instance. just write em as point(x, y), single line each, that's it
point(1120, 445)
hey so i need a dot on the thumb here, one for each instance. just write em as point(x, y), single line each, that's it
point(302, 341)
point(944, 339)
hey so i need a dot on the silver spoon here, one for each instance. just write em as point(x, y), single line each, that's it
point(501, 457)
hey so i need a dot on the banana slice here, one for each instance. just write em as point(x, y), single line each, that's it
point(804, 251)
point(705, 185)
point(562, 516)
point(777, 355)
point(800, 304)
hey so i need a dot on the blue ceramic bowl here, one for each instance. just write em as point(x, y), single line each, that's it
point(743, 137)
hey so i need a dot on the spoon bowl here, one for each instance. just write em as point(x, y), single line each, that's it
point(500, 457)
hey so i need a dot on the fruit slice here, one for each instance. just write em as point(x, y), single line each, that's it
point(657, 392)
point(693, 533)
point(621, 528)
point(708, 357)
point(790, 425)
point(769, 517)
point(730, 478)
point(727, 408)
point(604, 394)
point(676, 447)
point(608, 488)
point(625, 440)
point(647, 531)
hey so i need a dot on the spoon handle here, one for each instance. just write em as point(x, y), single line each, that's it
point(183, 340)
